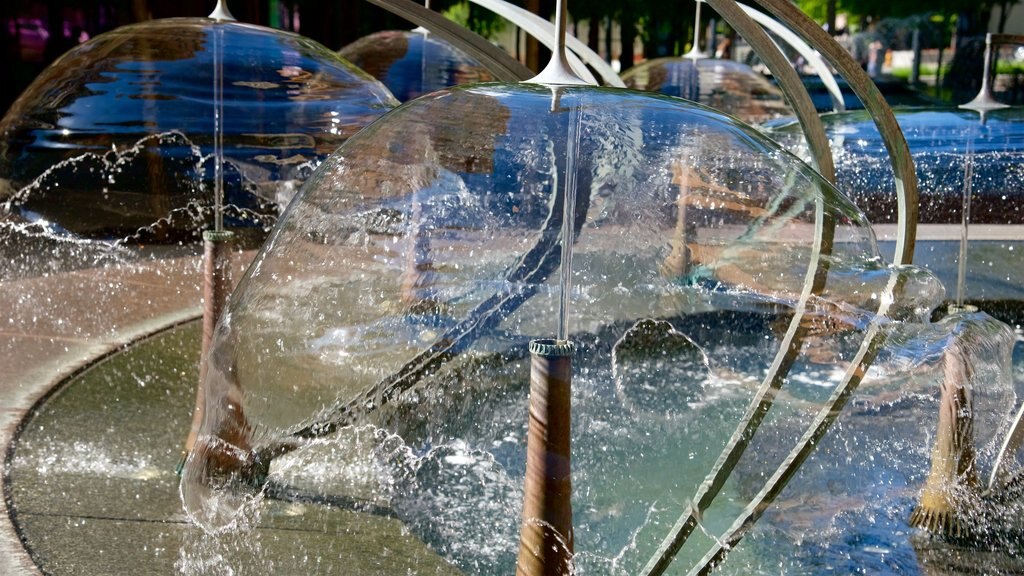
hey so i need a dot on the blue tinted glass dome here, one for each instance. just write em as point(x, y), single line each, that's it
point(732, 87)
point(413, 63)
point(968, 165)
point(952, 148)
point(115, 139)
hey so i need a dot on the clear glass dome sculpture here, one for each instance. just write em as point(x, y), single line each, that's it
point(374, 358)
point(115, 138)
point(954, 149)
point(413, 63)
point(970, 167)
point(732, 87)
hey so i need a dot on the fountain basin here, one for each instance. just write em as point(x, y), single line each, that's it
point(375, 351)
point(92, 488)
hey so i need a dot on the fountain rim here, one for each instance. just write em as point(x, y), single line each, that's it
point(36, 388)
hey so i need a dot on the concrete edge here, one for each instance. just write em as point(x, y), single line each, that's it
point(18, 400)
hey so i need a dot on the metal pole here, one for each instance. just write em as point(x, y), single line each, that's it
point(546, 536)
point(985, 100)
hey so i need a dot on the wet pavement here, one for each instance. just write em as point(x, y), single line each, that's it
point(58, 323)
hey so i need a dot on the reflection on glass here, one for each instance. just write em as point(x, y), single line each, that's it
point(413, 63)
point(725, 85)
point(115, 138)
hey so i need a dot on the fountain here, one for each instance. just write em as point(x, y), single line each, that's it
point(367, 385)
point(107, 142)
point(723, 84)
point(413, 63)
point(968, 162)
point(118, 159)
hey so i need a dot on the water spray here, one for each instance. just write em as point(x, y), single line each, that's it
point(983, 103)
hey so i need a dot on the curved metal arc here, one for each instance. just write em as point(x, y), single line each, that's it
point(827, 415)
point(759, 406)
point(1012, 443)
point(496, 60)
point(789, 81)
point(544, 32)
point(865, 89)
point(539, 28)
point(875, 336)
point(788, 352)
point(814, 283)
point(804, 49)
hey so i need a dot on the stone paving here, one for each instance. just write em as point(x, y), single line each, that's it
point(57, 323)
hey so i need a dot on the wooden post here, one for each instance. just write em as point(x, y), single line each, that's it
point(546, 536)
point(216, 287)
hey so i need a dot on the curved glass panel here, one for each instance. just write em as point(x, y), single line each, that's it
point(732, 87)
point(967, 164)
point(947, 144)
point(375, 357)
point(115, 139)
point(413, 63)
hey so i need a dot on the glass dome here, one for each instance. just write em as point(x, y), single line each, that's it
point(958, 154)
point(115, 138)
point(950, 147)
point(732, 87)
point(413, 63)
point(375, 355)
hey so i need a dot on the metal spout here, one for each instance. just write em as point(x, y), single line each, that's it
point(221, 12)
point(985, 101)
point(558, 71)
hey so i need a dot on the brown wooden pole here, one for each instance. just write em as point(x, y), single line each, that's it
point(546, 535)
point(952, 483)
point(216, 287)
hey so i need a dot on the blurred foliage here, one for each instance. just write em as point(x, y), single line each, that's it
point(969, 17)
point(479, 20)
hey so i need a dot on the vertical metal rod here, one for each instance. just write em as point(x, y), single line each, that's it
point(985, 100)
point(216, 242)
point(986, 83)
point(558, 72)
point(546, 536)
point(695, 51)
point(218, 127)
point(915, 47)
point(965, 219)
